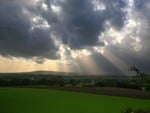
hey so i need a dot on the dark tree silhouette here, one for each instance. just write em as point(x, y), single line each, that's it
point(135, 70)
point(139, 78)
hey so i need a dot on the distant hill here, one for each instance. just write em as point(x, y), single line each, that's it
point(46, 73)
point(52, 73)
point(58, 74)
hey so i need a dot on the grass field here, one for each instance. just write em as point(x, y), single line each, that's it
point(26, 100)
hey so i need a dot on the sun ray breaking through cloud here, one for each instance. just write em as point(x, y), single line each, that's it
point(74, 35)
point(121, 65)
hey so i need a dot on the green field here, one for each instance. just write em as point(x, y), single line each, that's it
point(25, 100)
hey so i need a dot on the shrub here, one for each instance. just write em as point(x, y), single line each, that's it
point(129, 110)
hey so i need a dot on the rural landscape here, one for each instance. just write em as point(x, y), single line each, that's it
point(74, 56)
point(38, 92)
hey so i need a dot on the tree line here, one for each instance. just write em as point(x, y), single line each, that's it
point(136, 82)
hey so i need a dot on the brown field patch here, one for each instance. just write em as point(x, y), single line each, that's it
point(104, 91)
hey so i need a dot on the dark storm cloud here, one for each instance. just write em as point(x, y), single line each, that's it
point(79, 27)
point(29, 29)
point(83, 25)
point(143, 8)
point(125, 51)
point(115, 12)
point(16, 37)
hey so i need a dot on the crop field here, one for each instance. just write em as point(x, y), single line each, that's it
point(28, 100)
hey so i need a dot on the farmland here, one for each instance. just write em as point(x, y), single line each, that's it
point(28, 100)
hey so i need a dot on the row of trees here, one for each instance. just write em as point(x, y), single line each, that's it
point(136, 82)
point(55, 81)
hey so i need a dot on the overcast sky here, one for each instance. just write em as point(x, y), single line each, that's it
point(84, 36)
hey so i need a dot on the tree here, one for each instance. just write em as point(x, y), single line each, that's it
point(58, 81)
point(73, 82)
point(141, 78)
point(135, 69)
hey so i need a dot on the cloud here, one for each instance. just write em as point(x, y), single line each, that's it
point(26, 27)
point(143, 8)
point(24, 33)
point(83, 24)
point(69, 29)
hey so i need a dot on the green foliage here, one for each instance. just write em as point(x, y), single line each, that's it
point(73, 82)
point(129, 110)
point(137, 82)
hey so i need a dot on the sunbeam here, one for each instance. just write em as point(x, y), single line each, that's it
point(83, 36)
point(121, 65)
